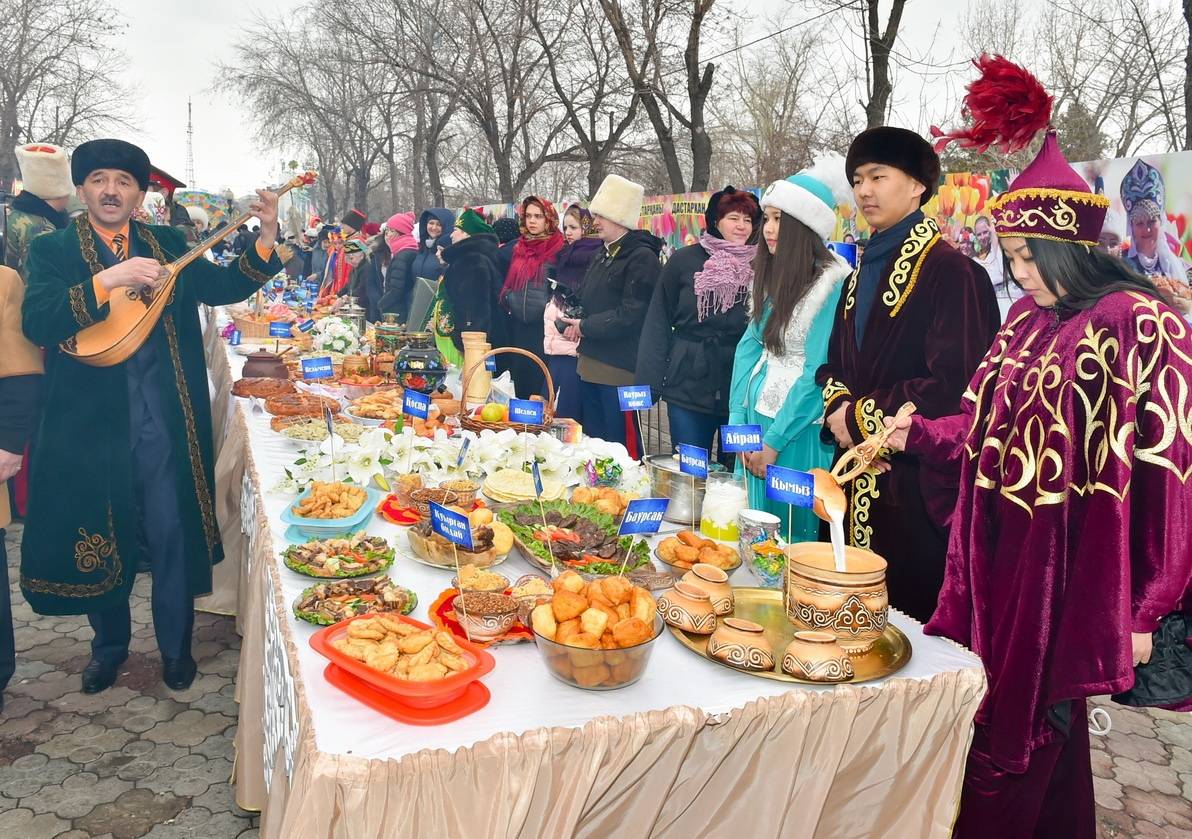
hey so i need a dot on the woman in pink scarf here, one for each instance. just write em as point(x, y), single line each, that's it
point(696, 318)
point(525, 293)
point(399, 235)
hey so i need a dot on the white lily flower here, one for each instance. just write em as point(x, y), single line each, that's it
point(363, 465)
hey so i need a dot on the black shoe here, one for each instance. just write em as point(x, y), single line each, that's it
point(178, 673)
point(99, 675)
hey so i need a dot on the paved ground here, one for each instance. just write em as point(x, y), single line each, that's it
point(139, 760)
point(136, 760)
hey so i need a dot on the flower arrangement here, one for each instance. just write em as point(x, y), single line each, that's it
point(386, 453)
point(335, 334)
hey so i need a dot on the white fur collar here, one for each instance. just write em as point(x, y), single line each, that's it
point(814, 300)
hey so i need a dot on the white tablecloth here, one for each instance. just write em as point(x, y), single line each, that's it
point(302, 711)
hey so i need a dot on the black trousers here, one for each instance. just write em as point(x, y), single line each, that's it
point(8, 654)
point(161, 540)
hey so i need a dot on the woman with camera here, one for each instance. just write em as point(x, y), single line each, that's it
point(565, 276)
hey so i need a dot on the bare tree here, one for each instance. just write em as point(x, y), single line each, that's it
point(998, 27)
point(878, 46)
point(1118, 62)
point(58, 75)
point(581, 61)
point(772, 112)
point(303, 83)
point(485, 55)
point(650, 59)
point(1188, 75)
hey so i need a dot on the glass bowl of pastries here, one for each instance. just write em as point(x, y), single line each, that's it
point(596, 635)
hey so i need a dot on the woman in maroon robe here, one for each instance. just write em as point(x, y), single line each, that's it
point(1071, 537)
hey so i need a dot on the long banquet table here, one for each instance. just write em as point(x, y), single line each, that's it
point(693, 749)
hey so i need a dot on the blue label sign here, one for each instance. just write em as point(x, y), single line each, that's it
point(236, 338)
point(846, 249)
point(463, 452)
point(643, 515)
point(635, 398)
point(740, 438)
point(537, 479)
point(279, 329)
point(526, 411)
point(452, 526)
point(306, 325)
point(415, 403)
point(790, 486)
point(317, 368)
point(490, 364)
point(693, 461)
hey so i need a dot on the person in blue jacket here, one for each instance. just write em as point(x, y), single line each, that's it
point(796, 286)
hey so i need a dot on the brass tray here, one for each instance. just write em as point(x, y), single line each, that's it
point(764, 606)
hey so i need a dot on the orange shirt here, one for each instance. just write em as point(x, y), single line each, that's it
point(108, 236)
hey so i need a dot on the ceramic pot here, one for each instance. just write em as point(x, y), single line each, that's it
point(688, 608)
point(485, 625)
point(713, 581)
point(356, 365)
point(816, 657)
point(265, 365)
point(851, 606)
point(742, 644)
point(420, 365)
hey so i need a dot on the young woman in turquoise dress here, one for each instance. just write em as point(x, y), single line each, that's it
point(796, 285)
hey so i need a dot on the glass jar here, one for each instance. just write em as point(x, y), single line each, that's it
point(725, 497)
point(420, 365)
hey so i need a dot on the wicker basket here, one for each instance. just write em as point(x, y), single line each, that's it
point(471, 423)
point(251, 330)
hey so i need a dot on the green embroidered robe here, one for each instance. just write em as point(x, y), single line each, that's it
point(81, 547)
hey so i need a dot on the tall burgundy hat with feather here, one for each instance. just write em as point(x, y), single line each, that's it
point(1048, 200)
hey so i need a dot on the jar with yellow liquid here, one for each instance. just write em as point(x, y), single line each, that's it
point(725, 497)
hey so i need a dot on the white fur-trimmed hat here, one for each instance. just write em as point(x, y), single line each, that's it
point(812, 195)
point(618, 200)
point(45, 170)
point(199, 216)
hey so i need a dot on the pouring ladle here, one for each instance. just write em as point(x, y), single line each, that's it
point(829, 490)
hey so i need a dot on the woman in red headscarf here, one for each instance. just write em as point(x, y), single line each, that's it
point(525, 293)
point(1069, 567)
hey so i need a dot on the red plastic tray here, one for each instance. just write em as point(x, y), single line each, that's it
point(417, 695)
point(474, 697)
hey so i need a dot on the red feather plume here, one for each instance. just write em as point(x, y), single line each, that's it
point(1006, 105)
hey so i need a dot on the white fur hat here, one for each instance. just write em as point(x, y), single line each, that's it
point(45, 170)
point(199, 216)
point(812, 195)
point(618, 200)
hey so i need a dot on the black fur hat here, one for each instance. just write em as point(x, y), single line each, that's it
point(899, 148)
point(109, 154)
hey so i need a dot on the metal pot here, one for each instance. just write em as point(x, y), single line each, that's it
point(666, 481)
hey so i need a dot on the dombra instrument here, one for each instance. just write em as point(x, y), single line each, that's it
point(133, 312)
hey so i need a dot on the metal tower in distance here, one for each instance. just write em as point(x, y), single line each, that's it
point(190, 147)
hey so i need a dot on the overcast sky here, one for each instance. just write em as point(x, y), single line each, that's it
point(173, 55)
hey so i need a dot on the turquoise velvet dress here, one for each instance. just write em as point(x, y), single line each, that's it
point(794, 431)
